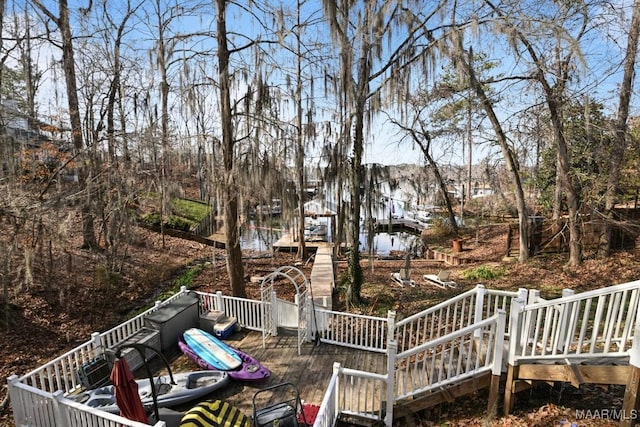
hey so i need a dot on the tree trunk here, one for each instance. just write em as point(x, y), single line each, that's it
point(302, 250)
point(523, 217)
point(231, 231)
point(356, 166)
point(620, 141)
point(88, 230)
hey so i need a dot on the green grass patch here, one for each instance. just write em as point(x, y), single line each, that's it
point(185, 214)
point(190, 210)
point(185, 279)
point(483, 273)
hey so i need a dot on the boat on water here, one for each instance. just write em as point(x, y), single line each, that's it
point(270, 209)
point(423, 215)
point(314, 230)
point(186, 386)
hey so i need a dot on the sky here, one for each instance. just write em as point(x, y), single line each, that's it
point(384, 145)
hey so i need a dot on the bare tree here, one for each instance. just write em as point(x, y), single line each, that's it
point(359, 30)
point(64, 26)
point(553, 90)
point(620, 128)
point(465, 59)
point(235, 268)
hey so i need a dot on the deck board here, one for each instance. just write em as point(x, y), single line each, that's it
point(310, 371)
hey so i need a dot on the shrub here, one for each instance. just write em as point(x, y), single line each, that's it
point(483, 273)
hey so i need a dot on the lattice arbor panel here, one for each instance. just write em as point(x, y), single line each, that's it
point(278, 309)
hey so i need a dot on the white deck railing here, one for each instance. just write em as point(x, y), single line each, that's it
point(593, 324)
point(456, 313)
point(246, 311)
point(431, 349)
point(343, 396)
point(33, 407)
point(352, 330)
point(451, 358)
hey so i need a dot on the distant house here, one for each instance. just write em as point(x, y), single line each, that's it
point(479, 192)
point(33, 147)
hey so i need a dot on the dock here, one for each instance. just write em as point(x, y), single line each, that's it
point(323, 277)
point(286, 243)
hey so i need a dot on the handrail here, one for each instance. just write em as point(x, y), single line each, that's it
point(352, 330)
point(451, 358)
point(444, 304)
point(580, 326)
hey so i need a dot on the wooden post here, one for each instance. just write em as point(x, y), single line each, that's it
point(631, 403)
point(509, 391)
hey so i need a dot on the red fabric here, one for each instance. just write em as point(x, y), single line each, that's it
point(126, 391)
point(308, 414)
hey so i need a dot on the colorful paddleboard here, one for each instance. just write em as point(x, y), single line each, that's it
point(251, 369)
point(212, 350)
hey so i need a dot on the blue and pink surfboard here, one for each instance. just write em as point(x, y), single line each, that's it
point(249, 370)
point(212, 350)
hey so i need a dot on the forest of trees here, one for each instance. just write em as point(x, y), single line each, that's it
point(251, 99)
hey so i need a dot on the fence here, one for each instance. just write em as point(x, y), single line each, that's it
point(351, 330)
point(594, 324)
point(451, 341)
point(451, 358)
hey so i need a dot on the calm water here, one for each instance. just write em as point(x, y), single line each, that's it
point(384, 243)
point(260, 237)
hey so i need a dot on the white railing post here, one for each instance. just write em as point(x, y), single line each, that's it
point(522, 294)
point(634, 353)
point(274, 315)
point(219, 302)
point(336, 394)
point(392, 349)
point(98, 345)
point(391, 326)
point(60, 412)
point(517, 335)
point(534, 296)
point(16, 401)
point(481, 293)
point(499, 342)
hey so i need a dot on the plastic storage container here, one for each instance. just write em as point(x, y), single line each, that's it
point(173, 319)
point(210, 318)
point(225, 328)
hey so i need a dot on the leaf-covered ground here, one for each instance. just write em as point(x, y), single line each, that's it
point(66, 294)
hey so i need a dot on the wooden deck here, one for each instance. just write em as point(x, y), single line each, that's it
point(310, 372)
